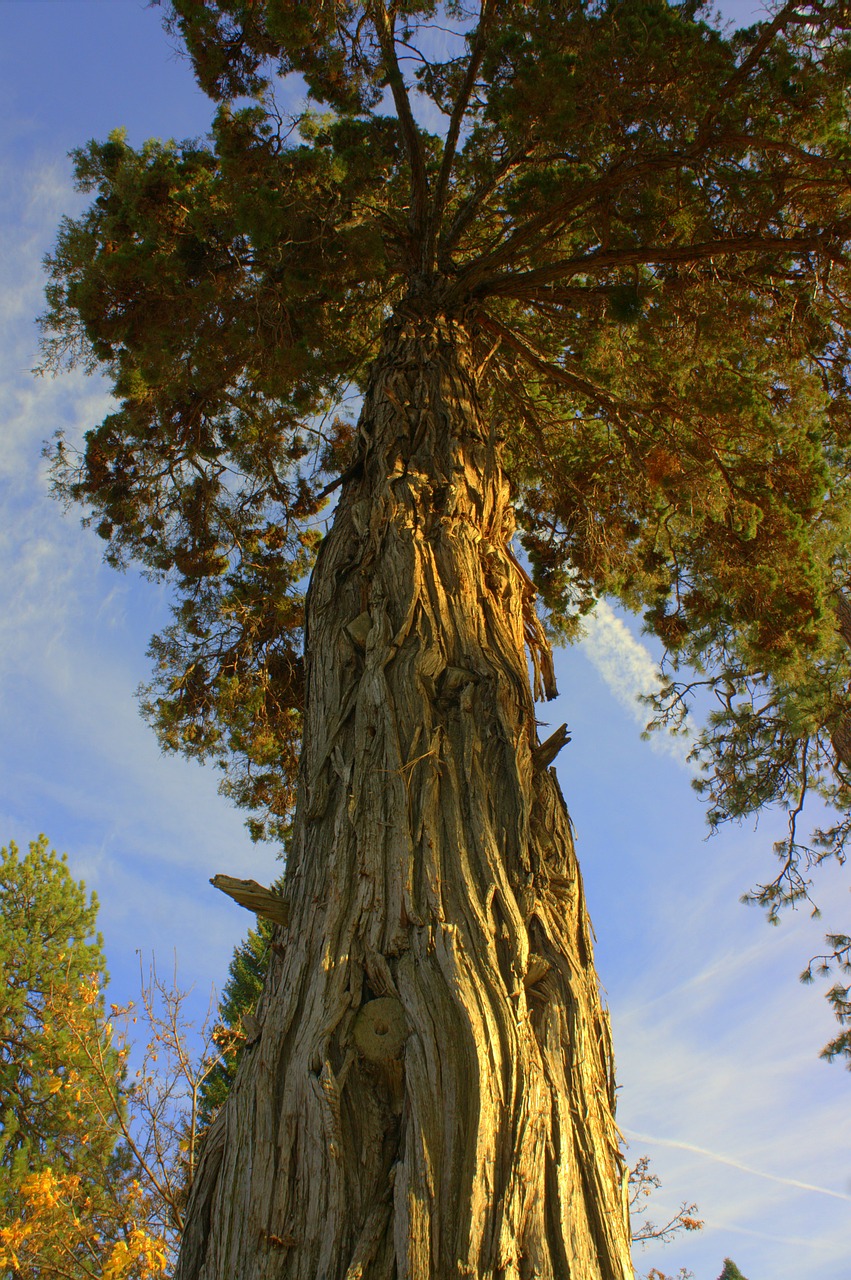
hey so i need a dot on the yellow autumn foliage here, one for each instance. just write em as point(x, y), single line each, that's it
point(140, 1256)
point(54, 1234)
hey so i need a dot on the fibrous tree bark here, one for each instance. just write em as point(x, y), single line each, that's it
point(432, 1091)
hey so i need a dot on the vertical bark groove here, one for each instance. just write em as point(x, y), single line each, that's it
point(433, 876)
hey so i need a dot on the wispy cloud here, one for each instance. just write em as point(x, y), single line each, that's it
point(628, 669)
point(76, 760)
point(717, 1052)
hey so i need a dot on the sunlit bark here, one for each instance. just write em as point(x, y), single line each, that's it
point(431, 1091)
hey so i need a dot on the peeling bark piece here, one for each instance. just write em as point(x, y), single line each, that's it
point(455, 678)
point(254, 897)
point(359, 628)
point(252, 1027)
point(537, 969)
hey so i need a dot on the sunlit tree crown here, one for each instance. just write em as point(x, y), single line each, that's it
point(641, 222)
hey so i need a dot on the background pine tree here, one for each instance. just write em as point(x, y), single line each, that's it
point(246, 973)
point(71, 1205)
point(50, 955)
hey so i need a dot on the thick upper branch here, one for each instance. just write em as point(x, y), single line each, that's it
point(410, 132)
point(453, 133)
point(544, 225)
point(479, 274)
point(525, 284)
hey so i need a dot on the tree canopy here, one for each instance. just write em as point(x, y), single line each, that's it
point(641, 218)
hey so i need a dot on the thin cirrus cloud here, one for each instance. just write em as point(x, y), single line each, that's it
point(721, 1085)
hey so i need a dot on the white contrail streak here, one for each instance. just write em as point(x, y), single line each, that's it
point(628, 669)
point(735, 1164)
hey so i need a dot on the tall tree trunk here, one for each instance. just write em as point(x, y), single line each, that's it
point(431, 1093)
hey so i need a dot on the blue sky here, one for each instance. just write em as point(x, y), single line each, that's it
point(716, 1041)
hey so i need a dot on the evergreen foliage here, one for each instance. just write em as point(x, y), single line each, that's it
point(643, 222)
point(246, 973)
point(50, 954)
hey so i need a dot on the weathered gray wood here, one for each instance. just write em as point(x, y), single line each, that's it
point(254, 897)
point(433, 873)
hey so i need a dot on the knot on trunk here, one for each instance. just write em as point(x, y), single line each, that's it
point(380, 1029)
point(359, 628)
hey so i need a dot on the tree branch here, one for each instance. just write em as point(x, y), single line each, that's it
point(553, 371)
point(546, 223)
point(410, 132)
point(473, 204)
point(254, 897)
point(451, 145)
point(525, 284)
point(619, 173)
point(741, 73)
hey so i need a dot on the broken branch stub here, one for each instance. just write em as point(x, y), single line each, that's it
point(254, 897)
point(543, 755)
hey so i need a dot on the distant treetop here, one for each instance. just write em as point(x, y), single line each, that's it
point(731, 1271)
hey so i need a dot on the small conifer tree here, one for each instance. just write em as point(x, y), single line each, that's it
point(50, 954)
